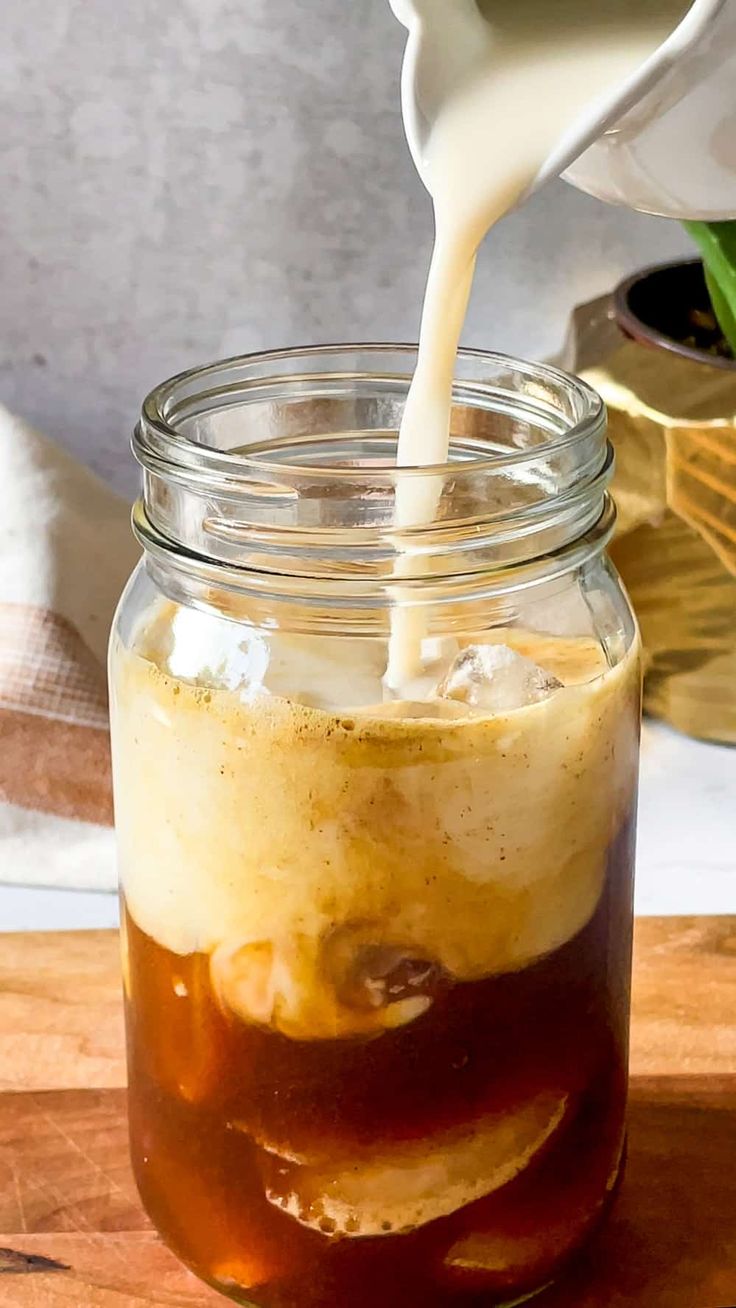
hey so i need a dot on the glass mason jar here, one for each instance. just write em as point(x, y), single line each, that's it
point(377, 926)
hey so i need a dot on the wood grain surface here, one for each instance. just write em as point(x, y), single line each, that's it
point(72, 1233)
point(61, 1023)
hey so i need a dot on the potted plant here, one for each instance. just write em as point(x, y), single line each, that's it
point(687, 307)
point(661, 350)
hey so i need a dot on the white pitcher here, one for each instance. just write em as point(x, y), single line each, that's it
point(663, 142)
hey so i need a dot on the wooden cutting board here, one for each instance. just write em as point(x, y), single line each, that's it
point(72, 1234)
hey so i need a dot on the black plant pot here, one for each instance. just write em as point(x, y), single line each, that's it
point(668, 308)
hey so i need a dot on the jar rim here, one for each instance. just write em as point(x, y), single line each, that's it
point(157, 440)
point(231, 482)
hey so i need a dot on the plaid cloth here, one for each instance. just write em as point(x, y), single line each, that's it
point(65, 552)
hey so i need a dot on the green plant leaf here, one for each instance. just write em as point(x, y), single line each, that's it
point(725, 312)
point(717, 245)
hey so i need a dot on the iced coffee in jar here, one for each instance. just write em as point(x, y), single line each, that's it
point(375, 792)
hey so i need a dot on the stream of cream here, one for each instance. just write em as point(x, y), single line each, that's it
point(513, 77)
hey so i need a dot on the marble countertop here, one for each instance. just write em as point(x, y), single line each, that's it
point(686, 853)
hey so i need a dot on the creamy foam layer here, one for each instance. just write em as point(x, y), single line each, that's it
point(314, 853)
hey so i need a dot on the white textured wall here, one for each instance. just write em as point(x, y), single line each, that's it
point(183, 179)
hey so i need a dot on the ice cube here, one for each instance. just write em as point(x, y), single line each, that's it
point(368, 972)
point(382, 1189)
point(216, 652)
point(320, 671)
point(496, 679)
point(313, 991)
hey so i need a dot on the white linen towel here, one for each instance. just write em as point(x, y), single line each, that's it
point(66, 550)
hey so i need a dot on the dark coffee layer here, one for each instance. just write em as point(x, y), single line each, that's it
point(263, 1160)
